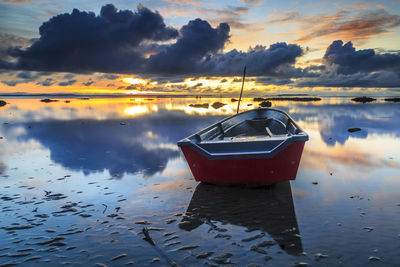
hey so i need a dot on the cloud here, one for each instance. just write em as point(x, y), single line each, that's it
point(109, 76)
point(67, 83)
point(345, 24)
point(185, 2)
point(139, 42)
point(29, 76)
point(88, 83)
point(251, 2)
point(47, 82)
point(274, 81)
point(69, 76)
point(11, 83)
point(350, 61)
point(285, 17)
point(359, 27)
point(383, 79)
point(25, 77)
point(259, 60)
point(347, 67)
point(10, 40)
point(19, 2)
point(231, 15)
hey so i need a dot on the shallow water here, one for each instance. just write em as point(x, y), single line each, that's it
point(80, 180)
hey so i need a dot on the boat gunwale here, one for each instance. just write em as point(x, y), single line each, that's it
point(286, 139)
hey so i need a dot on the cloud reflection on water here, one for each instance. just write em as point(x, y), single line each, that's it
point(334, 120)
point(140, 145)
point(325, 159)
point(88, 135)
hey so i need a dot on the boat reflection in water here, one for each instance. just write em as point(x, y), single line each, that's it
point(268, 209)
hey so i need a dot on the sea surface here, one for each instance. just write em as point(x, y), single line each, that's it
point(80, 179)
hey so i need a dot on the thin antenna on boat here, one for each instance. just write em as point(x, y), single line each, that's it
point(241, 92)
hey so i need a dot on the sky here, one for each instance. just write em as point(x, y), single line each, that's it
point(200, 47)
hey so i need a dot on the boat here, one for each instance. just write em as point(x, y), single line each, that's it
point(259, 146)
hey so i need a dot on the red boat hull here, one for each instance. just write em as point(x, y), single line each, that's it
point(282, 167)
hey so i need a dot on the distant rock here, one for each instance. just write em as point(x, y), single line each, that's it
point(352, 130)
point(299, 99)
point(217, 105)
point(48, 100)
point(2, 103)
point(394, 99)
point(266, 104)
point(363, 99)
point(205, 105)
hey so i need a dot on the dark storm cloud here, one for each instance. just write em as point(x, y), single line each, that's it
point(350, 61)
point(198, 40)
point(129, 42)
point(274, 81)
point(259, 60)
point(84, 42)
point(347, 67)
point(384, 79)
